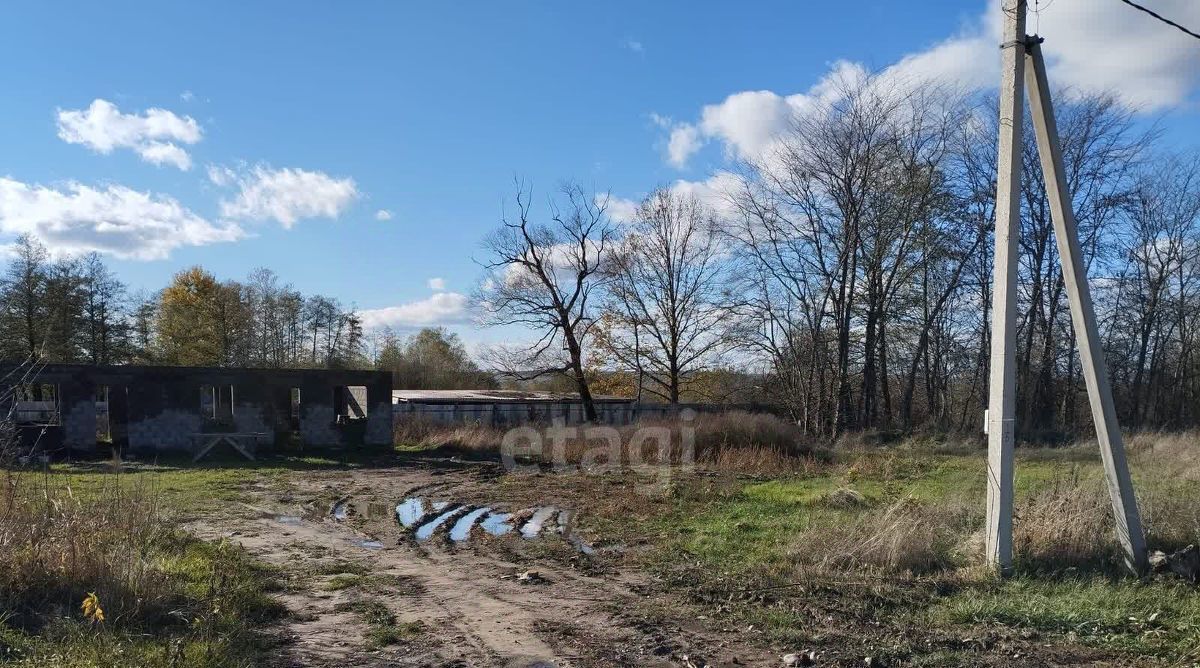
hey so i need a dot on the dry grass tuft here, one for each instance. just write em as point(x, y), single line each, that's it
point(160, 590)
point(845, 498)
point(1069, 525)
point(428, 434)
point(906, 537)
point(1168, 454)
point(55, 547)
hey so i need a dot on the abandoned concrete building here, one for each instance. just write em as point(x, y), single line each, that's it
point(166, 408)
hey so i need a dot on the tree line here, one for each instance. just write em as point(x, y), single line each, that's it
point(75, 310)
point(848, 267)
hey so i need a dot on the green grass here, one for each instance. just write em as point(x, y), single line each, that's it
point(189, 486)
point(343, 581)
point(1161, 619)
point(753, 533)
point(382, 627)
point(220, 597)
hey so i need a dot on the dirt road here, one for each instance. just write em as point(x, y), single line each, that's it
point(365, 591)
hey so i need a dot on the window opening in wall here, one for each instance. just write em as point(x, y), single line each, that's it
point(37, 404)
point(350, 403)
point(294, 408)
point(216, 403)
point(103, 416)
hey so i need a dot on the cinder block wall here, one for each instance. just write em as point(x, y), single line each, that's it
point(158, 408)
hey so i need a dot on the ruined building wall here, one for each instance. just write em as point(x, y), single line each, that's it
point(154, 408)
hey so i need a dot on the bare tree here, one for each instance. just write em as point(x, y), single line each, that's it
point(1157, 303)
point(835, 224)
point(665, 296)
point(546, 277)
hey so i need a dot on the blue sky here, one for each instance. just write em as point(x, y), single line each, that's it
point(298, 122)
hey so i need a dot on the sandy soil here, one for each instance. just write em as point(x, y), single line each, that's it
point(470, 604)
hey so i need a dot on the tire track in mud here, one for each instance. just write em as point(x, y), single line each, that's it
point(475, 610)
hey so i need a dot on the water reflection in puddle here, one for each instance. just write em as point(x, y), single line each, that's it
point(462, 528)
point(497, 524)
point(428, 518)
point(534, 526)
point(410, 511)
point(429, 527)
point(341, 511)
point(578, 544)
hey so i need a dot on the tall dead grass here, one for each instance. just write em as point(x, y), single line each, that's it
point(733, 441)
point(161, 591)
point(1065, 525)
point(904, 537)
point(55, 547)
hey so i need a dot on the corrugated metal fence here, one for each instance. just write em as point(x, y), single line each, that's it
point(513, 413)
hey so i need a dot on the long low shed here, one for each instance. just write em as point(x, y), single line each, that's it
point(505, 408)
point(501, 408)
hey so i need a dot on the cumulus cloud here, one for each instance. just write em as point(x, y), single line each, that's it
point(112, 219)
point(683, 143)
point(151, 134)
point(441, 308)
point(1089, 48)
point(383, 214)
point(717, 192)
point(1112, 47)
point(437, 284)
point(284, 195)
point(619, 209)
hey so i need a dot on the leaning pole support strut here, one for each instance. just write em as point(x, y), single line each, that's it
point(1083, 316)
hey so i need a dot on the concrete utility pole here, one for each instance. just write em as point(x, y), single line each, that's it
point(1023, 60)
point(1003, 371)
point(1083, 316)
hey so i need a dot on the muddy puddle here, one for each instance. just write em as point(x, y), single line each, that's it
point(426, 529)
point(462, 528)
point(426, 519)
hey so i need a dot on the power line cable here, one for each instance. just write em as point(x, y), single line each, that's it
point(1160, 17)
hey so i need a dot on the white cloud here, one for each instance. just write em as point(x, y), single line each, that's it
point(1089, 47)
point(634, 46)
point(664, 122)
point(442, 308)
point(111, 219)
point(717, 192)
point(284, 195)
point(383, 214)
point(683, 143)
point(1113, 47)
point(619, 209)
point(187, 96)
point(152, 134)
point(438, 284)
point(746, 121)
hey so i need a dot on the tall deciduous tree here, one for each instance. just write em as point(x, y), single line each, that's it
point(666, 293)
point(546, 276)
